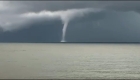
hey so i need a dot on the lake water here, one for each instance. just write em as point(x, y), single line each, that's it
point(69, 61)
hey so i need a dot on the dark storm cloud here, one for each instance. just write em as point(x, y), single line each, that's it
point(125, 6)
point(115, 27)
point(42, 21)
point(37, 6)
point(9, 9)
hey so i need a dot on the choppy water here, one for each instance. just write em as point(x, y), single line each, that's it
point(69, 61)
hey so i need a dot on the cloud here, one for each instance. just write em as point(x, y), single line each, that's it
point(3, 5)
point(18, 21)
point(65, 15)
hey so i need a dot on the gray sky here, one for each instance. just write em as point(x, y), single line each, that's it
point(89, 21)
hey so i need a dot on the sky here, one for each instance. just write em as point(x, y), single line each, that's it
point(69, 21)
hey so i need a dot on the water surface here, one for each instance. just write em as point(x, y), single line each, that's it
point(69, 61)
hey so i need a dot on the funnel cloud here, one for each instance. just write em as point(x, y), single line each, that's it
point(64, 32)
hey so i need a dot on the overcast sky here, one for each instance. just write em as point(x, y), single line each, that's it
point(88, 21)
